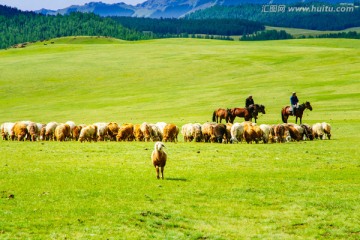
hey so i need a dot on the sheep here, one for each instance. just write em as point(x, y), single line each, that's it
point(158, 158)
point(146, 129)
point(318, 131)
point(170, 133)
point(186, 132)
point(196, 132)
point(237, 131)
point(138, 134)
point(266, 129)
point(327, 129)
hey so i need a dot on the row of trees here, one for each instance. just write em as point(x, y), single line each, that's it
point(166, 26)
point(273, 15)
point(281, 35)
point(18, 27)
point(267, 35)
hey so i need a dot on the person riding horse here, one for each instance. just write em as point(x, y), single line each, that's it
point(249, 104)
point(294, 103)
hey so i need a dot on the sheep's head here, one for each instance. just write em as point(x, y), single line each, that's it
point(159, 146)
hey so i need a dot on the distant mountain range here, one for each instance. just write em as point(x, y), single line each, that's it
point(166, 8)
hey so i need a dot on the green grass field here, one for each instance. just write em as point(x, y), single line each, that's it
point(108, 190)
point(298, 32)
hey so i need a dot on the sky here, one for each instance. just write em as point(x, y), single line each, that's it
point(30, 5)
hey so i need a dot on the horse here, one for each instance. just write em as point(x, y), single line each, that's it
point(246, 113)
point(240, 112)
point(257, 108)
point(220, 114)
point(286, 112)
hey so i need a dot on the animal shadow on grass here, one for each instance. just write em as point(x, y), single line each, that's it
point(176, 179)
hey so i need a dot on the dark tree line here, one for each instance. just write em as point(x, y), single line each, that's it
point(308, 20)
point(267, 35)
point(166, 26)
point(19, 27)
point(351, 35)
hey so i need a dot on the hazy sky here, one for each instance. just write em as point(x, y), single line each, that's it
point(57, 4)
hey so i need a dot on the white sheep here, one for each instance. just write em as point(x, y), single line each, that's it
point(158, 158)
point(327, 129)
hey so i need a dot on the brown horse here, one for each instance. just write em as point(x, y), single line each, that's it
point(220, 114)
point(246, 113)
point(286, 112)
point(240, 112)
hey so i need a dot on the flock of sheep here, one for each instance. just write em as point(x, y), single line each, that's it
point(207, 132)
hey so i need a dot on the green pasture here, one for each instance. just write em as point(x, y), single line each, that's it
point(109, 190)
point(298, 32)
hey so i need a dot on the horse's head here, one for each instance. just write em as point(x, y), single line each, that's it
point(261, 108)
point(308, 106)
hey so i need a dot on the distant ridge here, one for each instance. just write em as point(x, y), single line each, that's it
point(166, 8)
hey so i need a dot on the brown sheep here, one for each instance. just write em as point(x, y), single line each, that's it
point(252, 133)
point(33, 131)
point(113, 129)
point(138, 134)
point(42, 133)
point(125, 133)
point(279, 131)
point(145, 128)
point(207, 131)
point(219, 134)
point(76, 132)
point(19, 130)
point(171, 132)
point(159, 158)
point(294, 132)
point(62, 132)
point(88, 133)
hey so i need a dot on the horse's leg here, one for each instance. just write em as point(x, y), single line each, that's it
point(162, 172)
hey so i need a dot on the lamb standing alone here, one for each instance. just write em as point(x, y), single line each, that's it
point(158, 158)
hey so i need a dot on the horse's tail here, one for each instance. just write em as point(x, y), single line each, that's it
point(214, 115)
point(282, 115)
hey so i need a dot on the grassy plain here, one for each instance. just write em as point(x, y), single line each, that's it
point(51, 190)
point(298, 32)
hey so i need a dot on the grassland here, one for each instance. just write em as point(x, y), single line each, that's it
point(304, 190)
point(298, 32)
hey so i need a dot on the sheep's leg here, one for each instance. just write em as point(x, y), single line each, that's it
point(157, 172)
point(162, 172)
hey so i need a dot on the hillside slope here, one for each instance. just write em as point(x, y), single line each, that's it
point(177, 80)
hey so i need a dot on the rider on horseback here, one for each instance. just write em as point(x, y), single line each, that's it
point(294, 103)
point(249, 104)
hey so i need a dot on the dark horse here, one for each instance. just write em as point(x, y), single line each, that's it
point(246, 113)
point(286, 112)
point(220, 114)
